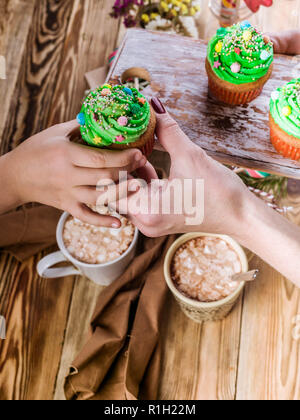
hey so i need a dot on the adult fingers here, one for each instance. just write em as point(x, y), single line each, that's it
point(138, 203)
point(104, 196)
point(168, 131)
point(86, 215)
point(147, 173)
point(89, 157)
point(117, 192)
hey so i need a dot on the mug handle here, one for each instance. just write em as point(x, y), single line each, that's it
point(44, 267)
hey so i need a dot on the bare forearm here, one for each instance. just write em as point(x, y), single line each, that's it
point(9, 198)
point(273, 238)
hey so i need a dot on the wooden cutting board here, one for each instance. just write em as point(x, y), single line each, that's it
point(236, 136)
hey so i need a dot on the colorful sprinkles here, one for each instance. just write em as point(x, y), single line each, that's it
point(244, 54)
point(285, 107)
point(113, 114)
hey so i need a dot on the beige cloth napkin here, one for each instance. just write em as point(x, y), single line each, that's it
point(27, 231)
point(122, 358)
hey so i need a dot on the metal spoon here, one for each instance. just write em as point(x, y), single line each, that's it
point(249, 276)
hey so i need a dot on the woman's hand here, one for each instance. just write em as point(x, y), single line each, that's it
point(224, 192)
point(49, 169)
point(229, 207)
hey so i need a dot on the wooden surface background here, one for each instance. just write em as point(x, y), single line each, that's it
point(236, 136)
point(48, 46)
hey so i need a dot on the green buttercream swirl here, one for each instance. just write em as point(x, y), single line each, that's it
point(253, 66)
point(287, 98)
point(100, 125)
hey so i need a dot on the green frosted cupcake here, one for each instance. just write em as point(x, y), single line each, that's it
point(285, 119)
point(239, 63)
point(117, 117)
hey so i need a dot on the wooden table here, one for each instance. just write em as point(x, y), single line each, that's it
point(49, 45)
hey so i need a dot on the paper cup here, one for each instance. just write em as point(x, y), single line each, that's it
point(231, 94)
point(231, 97)
point(204, 311)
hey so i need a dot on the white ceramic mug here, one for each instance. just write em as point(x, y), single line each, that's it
point(102, 274)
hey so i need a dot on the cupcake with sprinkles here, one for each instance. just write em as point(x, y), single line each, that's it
point(285, 120)
point(239, 62)
point(117, 117)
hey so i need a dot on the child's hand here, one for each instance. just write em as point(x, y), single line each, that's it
point(287, 42)
point(49, 169)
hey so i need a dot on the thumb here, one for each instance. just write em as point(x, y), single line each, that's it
point(169, 134)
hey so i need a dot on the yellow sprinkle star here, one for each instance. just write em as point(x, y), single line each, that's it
point(286, 111)
point(247, 35)
point(97, 140)
point(219, 47)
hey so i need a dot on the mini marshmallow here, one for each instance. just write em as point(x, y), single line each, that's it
point(205, 275)
point(94, 245)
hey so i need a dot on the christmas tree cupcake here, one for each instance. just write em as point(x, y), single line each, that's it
point(285, 119)
point(116, 117)
point(239, 63)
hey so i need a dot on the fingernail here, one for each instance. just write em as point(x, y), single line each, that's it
point(158, 106)
point(115, 225)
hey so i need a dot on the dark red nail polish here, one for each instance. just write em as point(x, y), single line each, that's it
point(158, 106)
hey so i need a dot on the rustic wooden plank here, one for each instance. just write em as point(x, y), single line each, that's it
point(32, 97)
point(36, 318)
point(84, 299)
point(36, 310)
point(15, 21)
point(269, 354)
point(92, 36)
point(199, 360)
point(227, 133)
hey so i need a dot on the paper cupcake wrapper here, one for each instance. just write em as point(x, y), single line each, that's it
point(230, 97)
point(284, 148)
point(147, 149)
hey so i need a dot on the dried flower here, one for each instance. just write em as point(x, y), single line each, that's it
point(127, 9)
point(169, 10)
